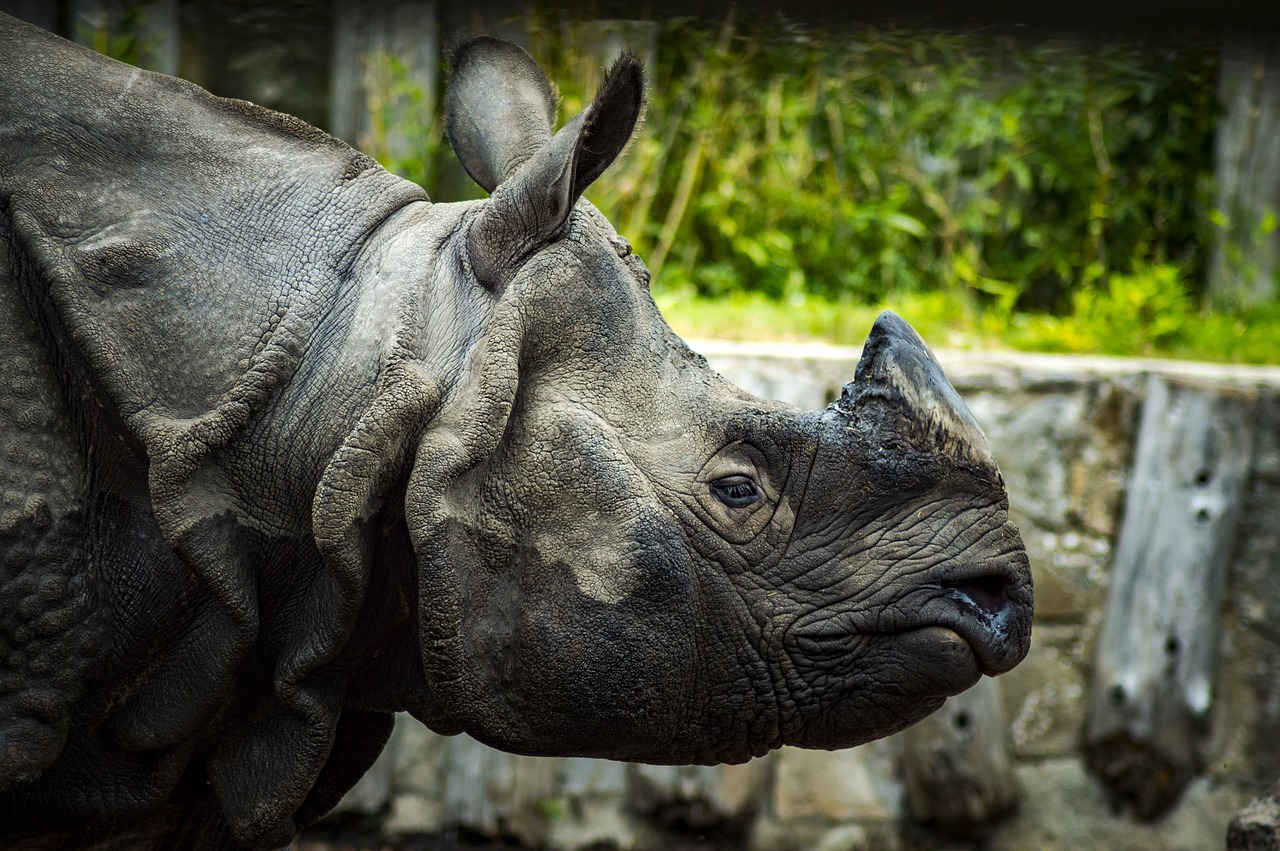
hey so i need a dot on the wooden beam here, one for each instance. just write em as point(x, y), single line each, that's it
point(956, 764)
point(1246, 255)
point(1151, 691)
point(386, 60)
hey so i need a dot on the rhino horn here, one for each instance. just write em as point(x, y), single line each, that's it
point(498, 120)
point(898, 377)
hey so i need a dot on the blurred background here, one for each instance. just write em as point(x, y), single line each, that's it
point(1101, 182)
point(1037, 185)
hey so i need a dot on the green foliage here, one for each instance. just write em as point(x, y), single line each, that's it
point(551, 809)
point(398, 107)
point(117, 31)
point(1142, 313)
point(1006, 168)
point(998, 187)
point(1150, 312)
point(1157, 321)
point(1243, 242)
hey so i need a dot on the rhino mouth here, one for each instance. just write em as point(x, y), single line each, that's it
point(983, 612)
point(980, 607)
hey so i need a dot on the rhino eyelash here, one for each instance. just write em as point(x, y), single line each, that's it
point(735, 491)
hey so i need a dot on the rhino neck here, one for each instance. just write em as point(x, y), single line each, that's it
point(390, 323)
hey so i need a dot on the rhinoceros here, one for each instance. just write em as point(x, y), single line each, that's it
point(287, 448)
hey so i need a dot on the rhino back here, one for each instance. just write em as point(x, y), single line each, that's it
point(188, 242)
point(170, 262)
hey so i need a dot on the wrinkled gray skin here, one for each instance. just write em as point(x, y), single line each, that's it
point(288, 448)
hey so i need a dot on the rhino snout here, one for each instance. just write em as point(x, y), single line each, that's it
point(985, 607)
point(992, 613)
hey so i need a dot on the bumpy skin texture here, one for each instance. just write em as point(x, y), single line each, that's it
point(286, 448)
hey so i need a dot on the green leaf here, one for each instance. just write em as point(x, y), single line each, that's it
point(905, 223)
point(1268, 222)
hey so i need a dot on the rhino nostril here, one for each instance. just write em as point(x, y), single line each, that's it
point(988, 593)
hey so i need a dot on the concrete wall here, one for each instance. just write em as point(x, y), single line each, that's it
point(1063, 430)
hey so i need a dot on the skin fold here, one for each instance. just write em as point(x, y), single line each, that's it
point(288, 448)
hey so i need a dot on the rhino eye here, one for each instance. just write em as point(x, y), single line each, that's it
point(735, 491)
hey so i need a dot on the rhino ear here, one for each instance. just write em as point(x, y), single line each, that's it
point(530, 206)
point(499, 109)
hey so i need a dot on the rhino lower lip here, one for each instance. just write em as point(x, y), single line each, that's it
point(943, 643)
point(834, 639)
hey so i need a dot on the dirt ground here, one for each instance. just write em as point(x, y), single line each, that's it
point(346, 838)
point(322, 839)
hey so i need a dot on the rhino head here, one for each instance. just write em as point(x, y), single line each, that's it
point(620, 554)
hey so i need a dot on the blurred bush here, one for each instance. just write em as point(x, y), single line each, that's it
point(1010, 167)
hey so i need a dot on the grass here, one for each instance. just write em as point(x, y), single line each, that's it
point(945, 322)
point(755, 317)
point(1248, 337)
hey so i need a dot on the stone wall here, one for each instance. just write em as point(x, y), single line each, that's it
point(1063, 430)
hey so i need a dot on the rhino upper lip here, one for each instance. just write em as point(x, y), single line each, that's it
point(975, 604)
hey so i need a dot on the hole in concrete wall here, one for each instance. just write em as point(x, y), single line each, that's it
point(1118, 695)
point(1202, 477)
point(962, 720)
point(1172, 646)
